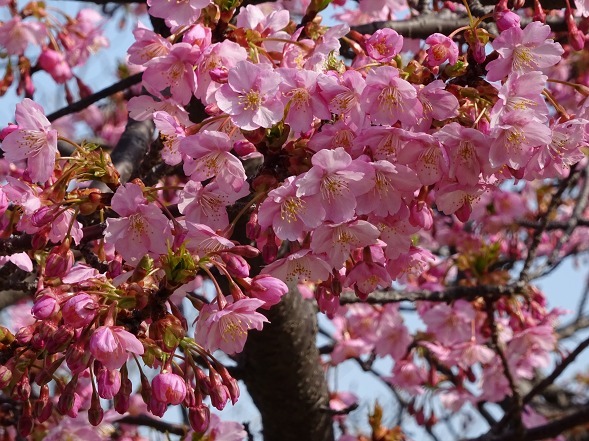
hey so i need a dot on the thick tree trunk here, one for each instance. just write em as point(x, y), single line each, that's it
point(284, 376)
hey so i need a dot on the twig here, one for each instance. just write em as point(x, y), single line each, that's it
point(159, 425)
point(97, 96)
point(448, 295)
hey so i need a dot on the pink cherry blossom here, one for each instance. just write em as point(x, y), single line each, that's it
point(342, 94)
point(173, 71)
point(250, 96)
point(142, 229)
point(34, 140)
point(268, 25)
point(384, 45)
point(16, 35)
point(226, 329)
point(457, 199)
point(339, 180)
point(393, 338)
point(392, 183)
point(290, 215)
point(521, 92)
point(54, 62)
point(178, 13)
point(80, 310)
point(208, 204)
point(437, 104)
point(203, 240)
point(468, 152)
point(224, 55)
point(171, 133)
point(299, 266)
point(522, 51)
point(441, 49)
point(301, 98)
point(111, 346)
point(365, 277)
point(209, 156)
point(83, 36)
point(147, 46)
point(336, 241)
point(517, 132)
point(387, 98)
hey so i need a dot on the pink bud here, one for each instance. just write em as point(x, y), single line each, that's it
point(7, 130)
point(156, 407)
point(60, 338)
point(169, 388)
point(243, 148)
point(421, 215)
point(235, 265)
point(80, 310)
point(199, 418)
point(506, 19)
point(44, 307)
point(108, 383)
point(59, 261)
point(55, 64)
point(267, 288)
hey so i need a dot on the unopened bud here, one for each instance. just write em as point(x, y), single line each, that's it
point(199, 418)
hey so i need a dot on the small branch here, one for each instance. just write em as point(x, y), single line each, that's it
point(160, 426)
point(448, 295)
point(516, 402)
point(559, 369)
point(549, 430)
point(91, 99)
point(554, 202)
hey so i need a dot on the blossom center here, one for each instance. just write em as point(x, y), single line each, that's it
point(251, 100)
point(290, 208)
point(389, 97)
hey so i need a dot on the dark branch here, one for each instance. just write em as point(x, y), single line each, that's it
point(448, 295)
point(159, 425)
point(91, 99)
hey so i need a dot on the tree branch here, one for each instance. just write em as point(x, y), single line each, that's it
point(448, 295)
point(159, 425)
point(91, 99)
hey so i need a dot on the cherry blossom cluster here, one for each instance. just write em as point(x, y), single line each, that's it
point(386, 171)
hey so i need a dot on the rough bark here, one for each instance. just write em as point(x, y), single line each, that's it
point(284, 376)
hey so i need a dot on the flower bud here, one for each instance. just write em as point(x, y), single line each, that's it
point(25, 421)
point(108, 383)
point(506, 19)
point(169, 388)
point(43, 406)
point(156, 407)
point(267, 288)
point(44, 307)
point(80, 310)
point(77, 357)
point(95, 413)
point(199, 418)
point(59, 261)
point(236, 265)
point(244, 148)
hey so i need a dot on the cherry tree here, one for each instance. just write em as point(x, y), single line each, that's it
point(266, 195)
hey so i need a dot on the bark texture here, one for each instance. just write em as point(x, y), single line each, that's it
point(284, 376)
